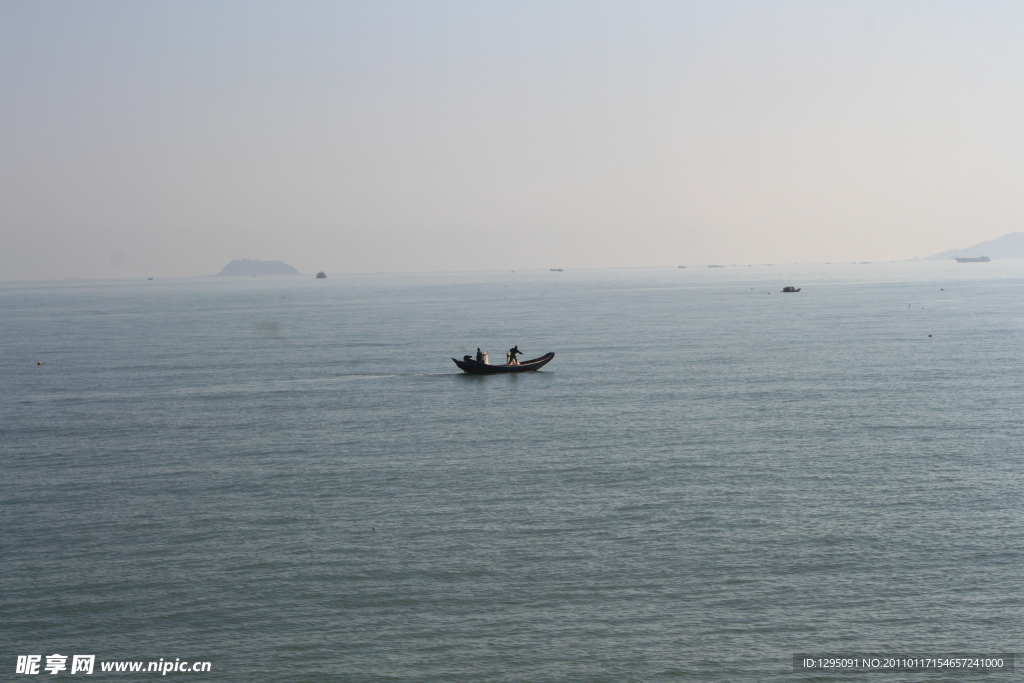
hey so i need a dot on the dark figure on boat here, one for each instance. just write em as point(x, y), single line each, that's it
point(512, 353)
point(480, 355)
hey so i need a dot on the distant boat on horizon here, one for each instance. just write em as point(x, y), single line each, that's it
point(971, 259)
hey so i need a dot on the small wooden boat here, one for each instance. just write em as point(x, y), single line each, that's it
point(474, 367)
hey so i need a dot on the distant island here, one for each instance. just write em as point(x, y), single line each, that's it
point(1007, 246)
point(246, 267)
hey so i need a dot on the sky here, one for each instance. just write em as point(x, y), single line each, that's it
point(167, 138)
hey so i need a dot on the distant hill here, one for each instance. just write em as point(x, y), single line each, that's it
point(1007, 246)
point(246, 267)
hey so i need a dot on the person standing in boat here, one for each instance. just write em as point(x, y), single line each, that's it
point(512, 353)
point(481, 357)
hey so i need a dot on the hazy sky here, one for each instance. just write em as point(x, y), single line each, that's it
point(167, 138)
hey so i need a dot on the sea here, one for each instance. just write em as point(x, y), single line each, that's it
point(289, 478)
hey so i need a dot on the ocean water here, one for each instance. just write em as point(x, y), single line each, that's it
point(290, 479)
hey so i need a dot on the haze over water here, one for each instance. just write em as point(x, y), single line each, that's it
point(289, 478)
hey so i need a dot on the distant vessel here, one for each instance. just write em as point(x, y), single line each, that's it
point(321, 275)
point(972, 259)
point(475, 367)
point(716, 266)
point(790, 289)
point(556, 270)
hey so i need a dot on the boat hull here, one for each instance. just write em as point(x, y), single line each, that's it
point(473, 367)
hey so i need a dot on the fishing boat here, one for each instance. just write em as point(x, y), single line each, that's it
point(475, 367)
point(790, 290)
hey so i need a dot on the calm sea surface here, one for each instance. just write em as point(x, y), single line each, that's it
point(289, 478)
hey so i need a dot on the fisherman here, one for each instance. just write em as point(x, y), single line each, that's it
point(479, 355)
point(512, 353)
